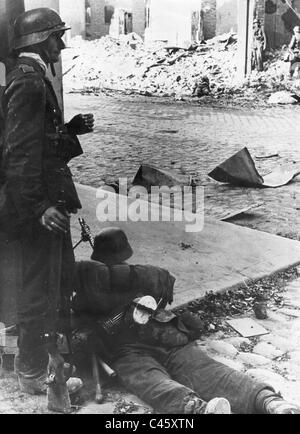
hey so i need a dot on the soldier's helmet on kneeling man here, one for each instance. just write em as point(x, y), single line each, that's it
point(111, 247)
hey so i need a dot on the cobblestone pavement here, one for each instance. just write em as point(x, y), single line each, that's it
point(193, 139)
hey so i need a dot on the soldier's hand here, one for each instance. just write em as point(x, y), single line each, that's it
point(55, 221)
point(82, 124)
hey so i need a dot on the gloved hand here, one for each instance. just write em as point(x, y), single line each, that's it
point(81, 124)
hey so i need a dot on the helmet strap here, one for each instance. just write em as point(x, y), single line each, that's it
point(52, 69)
point(46, 58)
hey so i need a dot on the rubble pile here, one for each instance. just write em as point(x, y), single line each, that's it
point(127, 65)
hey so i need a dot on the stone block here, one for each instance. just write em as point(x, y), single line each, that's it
point(292, 302)
point(237, 341)
point(267, 350)
point(294, 313)
point(291, 369)
point(282, 343)
point(253, 359)
point(222, 348)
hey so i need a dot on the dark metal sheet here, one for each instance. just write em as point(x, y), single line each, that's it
point(240, 170)
point(148, 176)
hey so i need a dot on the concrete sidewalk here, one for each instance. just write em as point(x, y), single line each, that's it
point(220, 257)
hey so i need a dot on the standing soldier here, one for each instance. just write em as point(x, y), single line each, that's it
point(36, 189)
point(259, 45)
point(294, 51)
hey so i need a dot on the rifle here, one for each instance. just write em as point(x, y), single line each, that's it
point(86, 234)
point(58, 398)
point(57, 393)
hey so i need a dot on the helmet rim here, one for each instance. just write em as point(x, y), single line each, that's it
point(111, 247)
point(36, 38)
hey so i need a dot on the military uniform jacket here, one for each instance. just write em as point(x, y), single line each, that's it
point(35, 148)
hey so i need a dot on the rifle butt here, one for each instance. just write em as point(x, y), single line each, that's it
point(58, 399)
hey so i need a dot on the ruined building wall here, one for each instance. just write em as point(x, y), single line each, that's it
point(209, 8)
point(99, 21)
point(260, 10)
point(280, 20)
point(226, 16)
point(73, 13)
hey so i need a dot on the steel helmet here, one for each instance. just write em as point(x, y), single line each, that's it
point(35, 26)
point(111, 247)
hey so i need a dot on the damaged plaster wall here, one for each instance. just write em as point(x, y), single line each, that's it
point(209, 8)
point(280, 20)
point(102, 16)
point(173, 21)
point(227, 11)
point(73, 13)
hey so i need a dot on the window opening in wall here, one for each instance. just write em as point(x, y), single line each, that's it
point(108, 14)
point(128, 23)
point(147, 24)
point(88, 12)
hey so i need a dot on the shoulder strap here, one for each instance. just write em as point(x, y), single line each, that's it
point(18, 72)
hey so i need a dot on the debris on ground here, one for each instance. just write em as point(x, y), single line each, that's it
point(150, 176)
point(283, 97)
point(123, 407)
point(240, 170)
point(214, 308)
point(234, 213)
point(264, 157)
point(202, 71)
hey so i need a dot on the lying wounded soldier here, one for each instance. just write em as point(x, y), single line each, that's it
point(153, 351)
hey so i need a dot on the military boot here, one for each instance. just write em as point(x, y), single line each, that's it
point(31, 361)
point(280, 406)
point(214, 406)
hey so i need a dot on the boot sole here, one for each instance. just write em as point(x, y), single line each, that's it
point(218, 406)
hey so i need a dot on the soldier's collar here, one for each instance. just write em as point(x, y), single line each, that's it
point(37, 58)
